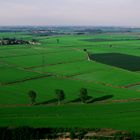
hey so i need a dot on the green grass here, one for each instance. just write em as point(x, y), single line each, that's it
point(121, 116)
point(11, 74)
point(48, 58)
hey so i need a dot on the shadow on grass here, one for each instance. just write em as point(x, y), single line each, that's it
point(48, 102)
point(100, 98)
point(90, 99)
point(124, 61)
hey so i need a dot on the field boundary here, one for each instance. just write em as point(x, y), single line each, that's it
point(24, 80)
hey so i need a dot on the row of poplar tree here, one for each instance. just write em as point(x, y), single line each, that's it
point(60, 95)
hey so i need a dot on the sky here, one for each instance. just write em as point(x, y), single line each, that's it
point(70, 12)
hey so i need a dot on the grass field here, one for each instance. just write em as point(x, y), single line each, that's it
point(112, 76)
point(11, 74)
point(120, 116)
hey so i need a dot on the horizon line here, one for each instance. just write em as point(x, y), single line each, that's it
point(121, 26)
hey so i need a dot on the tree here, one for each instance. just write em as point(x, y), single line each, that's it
point(83, 95)
point(32, 95)
point(59, 95)
point(57, 41)
point(85, 50)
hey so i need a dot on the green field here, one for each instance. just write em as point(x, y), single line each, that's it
point(117, 116)
point(112, 79)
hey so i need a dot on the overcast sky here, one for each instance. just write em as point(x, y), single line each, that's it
point(70, 12)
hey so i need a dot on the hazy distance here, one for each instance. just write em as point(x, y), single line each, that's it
point(70, 12)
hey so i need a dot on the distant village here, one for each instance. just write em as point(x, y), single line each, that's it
point(14, 41)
